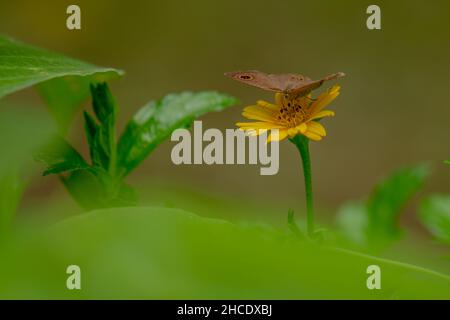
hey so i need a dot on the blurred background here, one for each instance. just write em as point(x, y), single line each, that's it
point(393, 110)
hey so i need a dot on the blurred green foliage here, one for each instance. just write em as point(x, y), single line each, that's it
point(373, 224)
point(11, 189)
point(17, 141)
point(158, 253)
point(435, 215)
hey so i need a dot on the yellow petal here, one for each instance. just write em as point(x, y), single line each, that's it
point(292, 132)
point(267, 105)
point(257, 113)
point(324, 99)
point(282, 134)
point(316, 128)
point(322, 114)
point(312, 136)
point(302, 127)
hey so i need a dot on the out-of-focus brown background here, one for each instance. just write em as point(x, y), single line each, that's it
point(394, 108)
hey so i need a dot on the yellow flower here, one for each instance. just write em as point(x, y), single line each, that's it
point(290, 115)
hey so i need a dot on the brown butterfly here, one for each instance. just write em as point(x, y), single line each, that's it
point(290, 83)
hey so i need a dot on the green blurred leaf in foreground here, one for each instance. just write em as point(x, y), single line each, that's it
point(155, 122)
point(63, 81)
point(435, 215)
point(11, 189)
point(159, 253)
point(374, 223)
point(21, 133)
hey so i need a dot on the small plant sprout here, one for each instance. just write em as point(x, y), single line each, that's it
point(100, 182)
point(296, 118)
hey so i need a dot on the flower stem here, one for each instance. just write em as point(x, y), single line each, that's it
point(302, 144)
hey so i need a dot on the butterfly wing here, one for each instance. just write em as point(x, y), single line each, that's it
point(295, 84)
point(258, 79)
point(302, 87)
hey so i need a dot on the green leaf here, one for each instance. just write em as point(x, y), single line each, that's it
point(94, 188)
point(60, 156)
point(63, 81)
point(101, 137)
point(91, 129)
point(373, 224)
point(388, 199)
point(155, 122)
point(103, 102)
point(435, 215)
point(447, 161)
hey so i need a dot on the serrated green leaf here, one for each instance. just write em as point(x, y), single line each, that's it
point(60, 156)
point(155, 122)
point(103, 102)
point(101, 135)
point(105, 108)
point(91, 129)
point(63, 81)
point(435, 215)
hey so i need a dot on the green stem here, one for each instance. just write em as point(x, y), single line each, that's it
point(302, 144)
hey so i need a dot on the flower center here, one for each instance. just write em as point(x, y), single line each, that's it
point(293, 111)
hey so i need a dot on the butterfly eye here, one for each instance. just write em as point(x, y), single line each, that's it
point(245, 77)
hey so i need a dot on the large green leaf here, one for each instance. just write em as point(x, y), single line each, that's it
point(63, 81)
point(435, 215)
point(154, 123)
point(160, 253)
